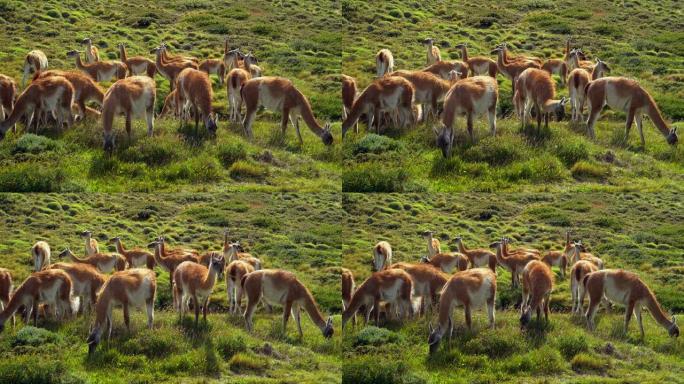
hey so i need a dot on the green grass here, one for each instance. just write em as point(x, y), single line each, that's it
point(636, 231)
point(297, 232)
point(309, 55)
point(649, 52)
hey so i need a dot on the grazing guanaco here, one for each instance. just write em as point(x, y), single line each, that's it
point(134, 287)
point(447, 261)
point(104, 262)
point(170, 261)
point(86, 282)
point(250, 63)
point(349, 91)
point(91, 52)
point(35, 61)
point(132, 97)
point(536, 291)
point(136, 257)
point(8, 95)
point(100, 70)
point(478, 65)
point(52, 287)
point(169, 107)
point(280, 95)
point(578, 79)
point(382, 256)
point(478, 257)
point(348, 287)
point(384, 62)
point(40, 253)
point(195, 281)
point(577, 273)
point(433, 54)
point(276, 286)
point(214, 67)
point(170, 69)
point(85, 90)
point(91, 246)
point(445, 69)
point(623, 94)
point(428, 88)
point(392, 94)
point(535, 88)
point(52, 94)
point(433, 245)
point(137, 65)
point(628, 289)
point(6, 288)
point(393, 286)
point(472, 289)
point(428, 282)
point(194, 93)
point(235, 271)
point(513, 69)
point(514, 262)
point(472, 97)
point(236, 78)
point(578, 254)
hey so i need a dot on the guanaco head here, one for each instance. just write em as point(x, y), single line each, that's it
point(495, 51)
point(94, 339)
point(602, 66)
point(672, 136)
point(445, 140)
point(114, 240)
point(86, 233)
point(461, 45)
point(328, 329)
point(425, 259)
point(673, 330)
point(428, 234)
point(525, 316)
point(559, 109)
point(64, 253)
point(454, 75)
point(73, 53)
point(218, 264)
point(211, 123)
point(87, 40)
point(429, 41)
point(153, 245)
point(251, 59)
point(326, 135)
point(434, 339)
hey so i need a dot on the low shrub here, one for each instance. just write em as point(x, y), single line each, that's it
point(34, 337)
point(373, 143)
point(160, 343)
point(201, 169)
point(570, 150)
point(542, 169)
point(589, 363)
point(28, 177)
point(30, 369)
point(494, 344)
point(30, 143)
point(228, 346)
point(152, 151)
point(570, 345)
point(244, 362)
point(496, 151)
point(376, 336)
point(248, 170)
point(375, 178)
point(583, 170)
point(376, 370)
point(229, 153)
point(545, 360)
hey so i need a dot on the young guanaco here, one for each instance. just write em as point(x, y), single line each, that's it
point(536, 291)
point(447, 261)
point(446, 69)
point(137, 65)
point(478, 257)
point(135, 257)
point(86, 282)
point(236, 79)
point(250, 62)
point(384, 62)
point(132, 97)
point(428, 282)
point(214, 67)
point(233, 251)
point(235, 271)
point(195, 281)
point(578, 80)
point(535, 88)
point(577, 253)
point(104, 262)
point(577, 273)
point(559, 258)
point(433, 245)
point(40, 253)
point(382, 256)
point(100, 70)
point(85, 90)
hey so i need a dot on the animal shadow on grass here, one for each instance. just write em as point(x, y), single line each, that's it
point(195, 137)
point(534, 135)
point(196, 334)
point(536, 331)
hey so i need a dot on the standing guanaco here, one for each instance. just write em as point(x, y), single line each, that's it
point(559, 258)
point(104, 262)
point(86, 282)
point(535, 88)
point(428, 88)
point(536, 291)
point(194, 92)
point(170, 69)
point(250, 63)
point(478, 257)
point(445, 69)
point(577, 273)
point(384, 62)
point(91, 246)
point(35, 61)
point(348, 287)
point(428, 282)
point(232, 251)
point(195, 281)
point(382, 256)
point(135, 257)
point(6, 288)
point(132, 97)
point(280, 287)
point(578, 80)
point(137, 65)
point(433, 245)
point(513, 69)
point(279, 94)
point(478, 65)
point(235, 271)
point(349, 91)
point(214, 67)
point(85, 90)
point(577, 253)
point(447, 261)
point(40, 253)
point(514, 262)
point(236, 79)
point(100, 70)
point(91, 52)
point(8, 95)
point(433, 54)
point(170, 261)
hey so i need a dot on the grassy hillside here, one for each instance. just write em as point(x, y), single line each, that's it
point(639, 39)
point(296, 232)
point(636, 231)
point(179, 159)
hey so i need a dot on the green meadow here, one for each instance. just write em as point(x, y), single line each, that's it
point(297, 232)
point(638, 39)
point(636, 231)
point(179, 158)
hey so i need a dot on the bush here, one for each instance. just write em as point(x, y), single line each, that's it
point(231, 152)
point(28, 177)
point(372, 143)
point(496, 151)
point(494, 344)
point(31, 369)
point(571, 150)
point(376, 336)
point(544, 360)
point(152, 151)
point(200, 169)
point(589, 363)
point(375, 370)
point(243, 362)
point(34, 337)
point(583, 170)
point(103, 164)
point(229, 346)
point(375, 178)
point(543, 169)
point(248, 170)
point(30, 143)
point(572, 344)
point(152, 344)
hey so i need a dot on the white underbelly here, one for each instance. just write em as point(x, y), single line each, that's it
point(139, 69)
point(392, 293)
point(271, 294)
point(138, 297)
point(269, 101)
point(391, 101)
point(479, 296)
point(613, 293)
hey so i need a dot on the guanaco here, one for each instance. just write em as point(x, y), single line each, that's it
point(577, 273)
point(472, 97)
point(478, 257)
point(236, 79)
point(235, 271)
point(428, 88)
point(513, 69)
point(428, 282)
point(170, 58)
point(559, 258)
point(40, 253)
point(348, 287)
point(349, 91)
point(100, 70)
point(514, 262)
point(578, 254)
point(433, 54)
point(578, 60)
point(276, 286)
point(536, 291)
point(137, 65)
point(382, 256)
point(447, 261)
point(170, 261)
point(132, 97)
point(535, 88)
point(509, 59)
point(8, 95)
point(445, 69)
point(134, 287)
point(136, 257)
point(103, 262)
point(507, 249)
point(232, 252)
point(393, 286)
point(35, 61)
point(91, 52)
point(384, 62)
point(250, 63)
point(170, 69)
point(232, 59)
point(85, 90)
point(194, 92)
point(392, 94)
point(578, 79)
point(472, 289)
point(628, 289)
point(559, 66)
point(6, 288)
point(52, 287)
point(91, 246)
point(214, 67)
point(479, 65)
point(279, 94)
point(433, 245)
point(195, 281)
point(623, 94)
point(86, 282)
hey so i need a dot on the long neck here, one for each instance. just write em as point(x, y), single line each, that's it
point(225, 46)
point(120, 247)
point(307, 114)
point(79, 63)
point(357, 109)
point(501, 62)
point(75, 258)
point(108, 112)
point(445, 310)
point(596, 72)
point(161, 66)
point(311, 308)
point(103, 307)
point(461, 247)
point(230, 253)
point(210, 279)
point(429, 241)
point(27, 100)
point(464, 53)
point(566, 54)
point(16, 301)
point(158, 256)
point(656, 310)
point(654, 113)
point(356, 301)
point(122, 53)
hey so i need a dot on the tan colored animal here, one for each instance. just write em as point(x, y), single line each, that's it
point(280, 287)
point(626, 288)
point(91, 246)
point(235, 271)
point(51, 287)
point(392, 286)
point(52, 94)
point(428, 90)
point(536, 291)
point(232, 251)
point(433, 245)
point(577, 255)
point(626, 95)
point(214, 67)
point(559, 258)
point(577, 273)
point(515, 262)
point(134, 287)
point(447, 261)
point(559, 66)
point(250, 64)
point(85, 90)
point(170, 260)
point(510, 59)
point(471, 97)
point(233, 59)
point(512, 69)
point(578, 80)
point(471, 289)
point(384, 62)
point(195, 281)
point(91, 52)
point(535, 88)
point(169, 107)
point(348, 287)
point(176, 58)
point(137, 65)
point(35, 61)
point(40, 253)
point(428, 282)
point(278, 94)
point(6, 288)
point(104, 262)
point(170, 69)
point(479, 65)
point(8, 95)
point(237, 77)
point(132, 97)
point(433, 54)
point(382, 256)
point(533, 251)
point(136, 257)
point(349, 91)
point(445, 69)
point(578, 60)
point(478, 257)
point(194, 93)
point(391, 94)
point(86, 282)
point(100, 70)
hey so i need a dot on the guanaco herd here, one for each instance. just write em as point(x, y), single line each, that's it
point(402, 290)
point(469, 88)
point(126, 278)
point(63, 95)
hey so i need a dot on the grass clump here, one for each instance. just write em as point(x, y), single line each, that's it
point(244, 362)
point(378, 370)
point(152, 151)
point(494, 344)
point(31, 369)
point(32, 336)
point(248, 170)
point(583, 170)
point(572, 344)
point(495, 151)
point(228, 346)
point(543, 169)
point(376, 336)
point(152, 344)
point(201, 169)
point(373, 143)
point(28, 177)
point(570, 150)
point(30, 143)
point(375, 178)
point(230, 153)
point(588, 363)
